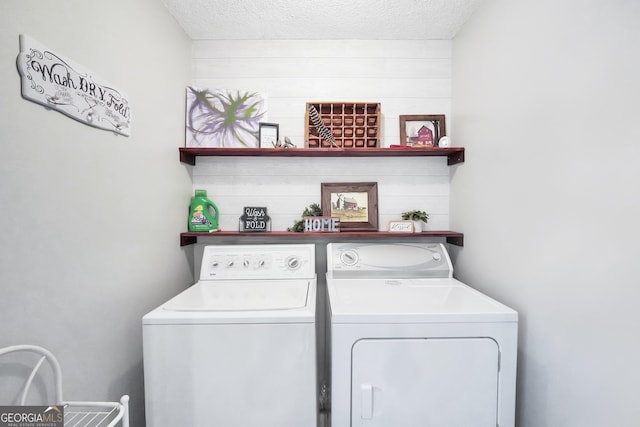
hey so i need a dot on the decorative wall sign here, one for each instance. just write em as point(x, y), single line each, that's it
point(62, 85)
point(255, 219)
point(321, 224)
point(223, 118)
point(401, 226)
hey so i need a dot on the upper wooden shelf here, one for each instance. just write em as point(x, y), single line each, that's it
point(454, 155)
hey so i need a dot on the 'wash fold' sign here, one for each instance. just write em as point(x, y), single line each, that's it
point(57, 83)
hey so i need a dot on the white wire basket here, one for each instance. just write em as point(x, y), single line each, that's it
point(76, 413)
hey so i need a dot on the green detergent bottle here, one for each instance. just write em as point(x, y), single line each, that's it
point(203, 213)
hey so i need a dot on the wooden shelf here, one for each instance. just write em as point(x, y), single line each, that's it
point(453, 237)
point(454, 155)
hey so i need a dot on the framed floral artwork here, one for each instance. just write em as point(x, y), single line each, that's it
point(223, 118)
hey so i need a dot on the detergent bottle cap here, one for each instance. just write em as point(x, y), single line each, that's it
point(201, 193)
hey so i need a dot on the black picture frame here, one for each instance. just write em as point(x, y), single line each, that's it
point(268, 135)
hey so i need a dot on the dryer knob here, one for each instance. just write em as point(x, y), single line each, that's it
point(245, 263)
point(293, 263)
point(349, 258)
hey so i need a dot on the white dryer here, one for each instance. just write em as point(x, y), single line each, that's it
point(238, 348)
point(411, 345)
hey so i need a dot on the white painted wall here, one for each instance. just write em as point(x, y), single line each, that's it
point(287, 185)
point(89, 222)
point(406, 77)
point(546, 103)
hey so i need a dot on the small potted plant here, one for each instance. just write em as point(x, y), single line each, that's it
point(418, 218)
point(314, 209)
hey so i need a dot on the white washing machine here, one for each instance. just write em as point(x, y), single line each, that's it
point(412, 346)
point(238, 348)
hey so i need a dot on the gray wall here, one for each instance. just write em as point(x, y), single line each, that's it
point(89, 222)
point(545, 98)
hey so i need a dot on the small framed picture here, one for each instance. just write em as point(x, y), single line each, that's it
point(354, 203)
point(422, 131)
point(269, 134)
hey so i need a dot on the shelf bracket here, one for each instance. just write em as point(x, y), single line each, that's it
point(456, 240)
point(455, 158)
point(188, 158)
point(188, 240)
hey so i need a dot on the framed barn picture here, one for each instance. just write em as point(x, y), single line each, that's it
point(355, 204)
point(422, 131)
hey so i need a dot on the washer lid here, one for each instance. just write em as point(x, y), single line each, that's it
point(238, 295)
point(412, 301)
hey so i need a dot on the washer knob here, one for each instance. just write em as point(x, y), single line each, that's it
point(437, 256)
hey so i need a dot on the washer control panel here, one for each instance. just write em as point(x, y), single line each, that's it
point(388, 260)
point(258, 262)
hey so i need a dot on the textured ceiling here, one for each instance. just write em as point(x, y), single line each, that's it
point(321, 19)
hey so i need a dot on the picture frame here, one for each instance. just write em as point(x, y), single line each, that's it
point(354, 203)
point(268, 134)
point(422, 130)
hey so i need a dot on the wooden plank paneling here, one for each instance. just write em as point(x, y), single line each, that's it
point(405, 77)
point(344, 89)
point(303, 49)
point(400, 68)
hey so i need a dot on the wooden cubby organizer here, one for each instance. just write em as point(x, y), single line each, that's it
point(352, 124)
point(454, 155)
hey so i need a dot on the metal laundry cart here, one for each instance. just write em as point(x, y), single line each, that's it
point(76, 413)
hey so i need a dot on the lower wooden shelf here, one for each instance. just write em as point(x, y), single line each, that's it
point(453, 237)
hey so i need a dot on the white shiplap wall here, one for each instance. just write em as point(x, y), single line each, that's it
point(406, 77)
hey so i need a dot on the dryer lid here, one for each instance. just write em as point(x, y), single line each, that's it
point(412, 301)
point(238, 295)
